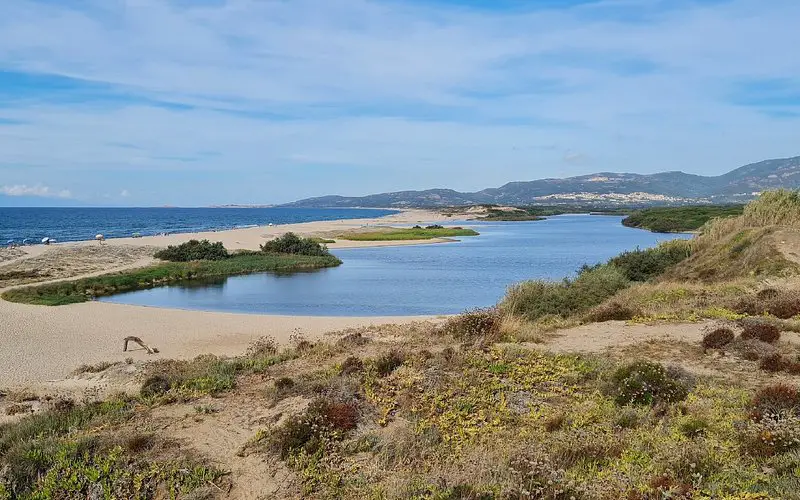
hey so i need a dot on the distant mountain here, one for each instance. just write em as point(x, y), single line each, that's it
point(604, 188)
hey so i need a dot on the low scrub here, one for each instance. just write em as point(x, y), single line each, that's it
point(82, 290)
point(760, 330)
point(193, 250)
point(290, 243)
point(644, 265)
point(474, 325)
point(775, 399)
point(646, 383)
point(718, 338)
point(324, 420)
point(389, 362)
point(536, 299)
point(783, 304)
point(611, 311)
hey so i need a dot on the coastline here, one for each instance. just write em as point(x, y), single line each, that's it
point(251, 237)
point(40, 345)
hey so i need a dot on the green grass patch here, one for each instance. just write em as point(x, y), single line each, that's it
point(82, 290)
point(391, 234)
point(679, 219)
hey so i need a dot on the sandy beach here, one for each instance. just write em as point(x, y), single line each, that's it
point(40, 344)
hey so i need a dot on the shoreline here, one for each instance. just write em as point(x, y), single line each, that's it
point(250, 238)
point(41, 345)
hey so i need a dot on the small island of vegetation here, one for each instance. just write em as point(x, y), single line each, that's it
point(407, 234)
point(188, 261)
point(679, 219)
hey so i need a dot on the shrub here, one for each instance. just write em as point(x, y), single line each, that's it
point(694, 427)
point(555, 422)
point(351, 365)
point(293, 244)
point(483, 324)
point(772, 434)
point(643, 265)
point(262, 347)
point(774, 400)
point(283, 385)
point(772, 363)
point(783, 304)
point(323, 420)
point(718, 338)
point(154, 386)
point(193, 250)
point(352, 340)
point(388, 362)
point(535, 299)
point(646, 383)
point(761, 330)
point(627, 418)
point(752, 349)
point(611, 311)
point(434, 226)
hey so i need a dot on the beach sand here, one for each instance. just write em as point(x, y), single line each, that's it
point(40, 344)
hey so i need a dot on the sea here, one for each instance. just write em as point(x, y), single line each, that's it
point(77, 224)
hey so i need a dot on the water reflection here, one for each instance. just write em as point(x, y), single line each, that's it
point(416, 280)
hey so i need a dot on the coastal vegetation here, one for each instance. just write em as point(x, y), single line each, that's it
point(232, 264)
point(476, 406)
point(449, 411)
point(193, 250)
point(292, 244)
point(407, 234)
point(679, 219)
point(593, 285)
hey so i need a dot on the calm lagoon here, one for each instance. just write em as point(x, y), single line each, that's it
point(416, 280)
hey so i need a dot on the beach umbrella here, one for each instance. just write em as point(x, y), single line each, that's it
point(26, 241)
point(10, 242)
point(45, 240)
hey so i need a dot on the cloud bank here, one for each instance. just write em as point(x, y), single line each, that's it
point(268, 101)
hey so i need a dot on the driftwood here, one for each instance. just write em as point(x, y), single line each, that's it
point(150, 350)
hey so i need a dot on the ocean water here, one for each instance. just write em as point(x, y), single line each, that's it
point(76, 224)
point(416, 280)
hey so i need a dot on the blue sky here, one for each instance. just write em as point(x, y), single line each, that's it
point(195, 102)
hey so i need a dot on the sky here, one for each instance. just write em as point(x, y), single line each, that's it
point(198, 102)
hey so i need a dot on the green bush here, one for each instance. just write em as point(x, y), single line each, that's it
point(535, 299)
point(643, 265)
point(293, 244)
point(646, 383)
point(193, 250)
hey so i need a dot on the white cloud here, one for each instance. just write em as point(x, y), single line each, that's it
point(37, 190)
point(412, 95)
point(124, 193)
